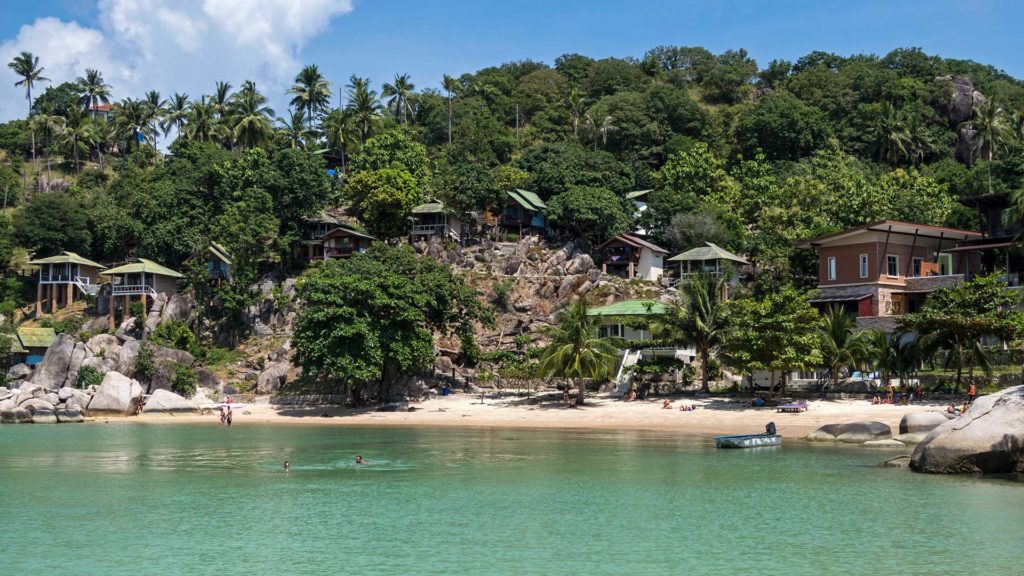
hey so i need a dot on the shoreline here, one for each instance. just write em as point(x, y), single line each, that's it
point(714, 416)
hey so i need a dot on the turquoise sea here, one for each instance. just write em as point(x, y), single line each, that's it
point(175, 499)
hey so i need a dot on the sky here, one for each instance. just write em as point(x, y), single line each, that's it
point(188, 45)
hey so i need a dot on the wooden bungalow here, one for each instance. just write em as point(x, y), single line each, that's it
point(218, 263)
point(432, 219)
point(341, 242)
point(29, 345)
point(630, 257)
point(709, 258)
point(524, 214)
point(60, 276)
point(141, 278)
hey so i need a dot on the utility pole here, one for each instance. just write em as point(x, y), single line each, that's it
point(517, 124)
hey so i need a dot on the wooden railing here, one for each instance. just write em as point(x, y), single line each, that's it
point(133, 289)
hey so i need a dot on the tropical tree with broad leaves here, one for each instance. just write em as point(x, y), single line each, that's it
point(311, 93)
point(841, 345)
point(92, 90)
point(698, 319)
point(250, 117)
point(399, 94)
point(364, 105)
point(576, 352)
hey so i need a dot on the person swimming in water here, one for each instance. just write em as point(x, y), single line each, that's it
point(359, 460)
point(287, 466)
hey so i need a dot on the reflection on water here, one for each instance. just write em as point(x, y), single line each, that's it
point(124, 499)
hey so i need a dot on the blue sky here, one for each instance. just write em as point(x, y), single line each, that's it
point(189, 44)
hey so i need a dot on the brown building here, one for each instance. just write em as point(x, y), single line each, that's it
point(884, 269)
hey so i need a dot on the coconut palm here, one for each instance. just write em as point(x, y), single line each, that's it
point(92, 90)
point(880, 353)
point(294, 129)
point(920, 142)
point(27, 67)
point(250, 117)
point(575, 102)
point(364, 106)
point(697, 319)
point(99, 133)
point(399, 94)
point(598, 130)
point(76, 128)
point(312, 92)
point(203, 124)
point(988, 130)
point(175, 114)
point(155, 108)
point(889, 135)
point(220, 99)
point(840, 346)
point(132, 122)
point(576, 353)
point(339, 131)
point(451, 86)
point(51, 126)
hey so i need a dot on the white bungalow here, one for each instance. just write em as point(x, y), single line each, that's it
point(639, 200)
point(60, 276)
point(629, 257)
point(143, 279)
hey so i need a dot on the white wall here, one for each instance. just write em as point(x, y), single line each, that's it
point(651, 265)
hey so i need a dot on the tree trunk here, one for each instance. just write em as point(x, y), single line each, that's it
point(449, 118)
point(581, 392)
point(705, 358)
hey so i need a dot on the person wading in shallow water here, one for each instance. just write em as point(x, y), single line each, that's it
point(359, 460)
point(229, 416)
point(287, 466)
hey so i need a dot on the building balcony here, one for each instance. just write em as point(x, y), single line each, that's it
point(929, 283)
point(433, 230)
point(133, 290)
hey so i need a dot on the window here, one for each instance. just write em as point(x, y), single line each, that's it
point(607, 330)
point(892, 265)
point(945, 264)
point(916, 265)
point(863, 265)
point(831, 267)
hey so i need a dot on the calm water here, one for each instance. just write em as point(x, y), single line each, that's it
point(162, 499)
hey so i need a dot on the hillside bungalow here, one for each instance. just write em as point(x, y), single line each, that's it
point(341, 242)
point(431, 219)
point(218, 262)
point(629, 256)
point(60, 276)
point(881, 270)
point(710, 258)
point(141, 278)
point(639, 200)
point(524, 214)
point(622, 320)
point(29, 345)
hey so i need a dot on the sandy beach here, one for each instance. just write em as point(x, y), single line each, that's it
point(713, 415)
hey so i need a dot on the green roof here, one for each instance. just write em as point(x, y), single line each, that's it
point(16, 347)
point(36, 337)
point(429, 208)
point(708, 252)
point(532, 199)
point(220, 252)
point(637, 194)
point(629, 308)
point(67, 258)
point(141, 265)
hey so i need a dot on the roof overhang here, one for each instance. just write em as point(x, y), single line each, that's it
point(896, 227)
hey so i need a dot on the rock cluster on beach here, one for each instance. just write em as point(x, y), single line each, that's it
point(913, 428)
point(987, 438)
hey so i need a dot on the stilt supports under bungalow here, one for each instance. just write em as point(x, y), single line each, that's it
point(39, 300)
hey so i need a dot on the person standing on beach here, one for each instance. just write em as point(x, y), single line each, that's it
point(972, 393)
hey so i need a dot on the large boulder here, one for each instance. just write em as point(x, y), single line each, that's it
point(580, 264)
point(177, 309)
point(37, 405)
point(79, 402)
point(101, 365)
point(154, 313)
point(988, 438)
point(52, 372)
point(167, 401)
point(851, 432)
point(118, 394)
point(18, 372)
point(15, 416)
point(207, 379)
point(78, 355)
point(104, 345)
point(166, 361)
point(917, 422)
point(65, 415)
point(271, 379)
point(126, 359)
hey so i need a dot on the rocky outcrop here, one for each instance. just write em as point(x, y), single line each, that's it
point(272, 378)
point(69, 415)
point(851, 432)
point(166, 401)
point(207, 379)
point(988, 438)
point(916, 422)
point(126, 359)
point(15, 416)
point(118, 395)
point(78, 355)
point(104, 345)
point(52, 372)
point(18, 372)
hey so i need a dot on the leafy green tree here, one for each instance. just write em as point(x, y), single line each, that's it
point(370, 320)
point(774, 333)
point(60, 100)
point(394, 149)
point(383, 200)
point(467, 188)
point(955, 320)
point(50, 223)
point(781, 126)
point(594, 214)
point(556, 168)
point(684, 182)
point(247, 224)
point(728, 81)
point(841, 346)
point(576, 353)
point(917, 198)
point(697, 319)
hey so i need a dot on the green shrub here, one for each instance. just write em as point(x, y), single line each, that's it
point(176, 334)
point(503, 295)
point(69, 325)
point(145, 366)
point(183, 381)
point(215, 356)
point(88, 376)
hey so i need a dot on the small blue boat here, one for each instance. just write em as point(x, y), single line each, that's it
point(748, 440)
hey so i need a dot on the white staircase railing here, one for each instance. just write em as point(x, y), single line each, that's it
point(86, 286)
point(624, 378)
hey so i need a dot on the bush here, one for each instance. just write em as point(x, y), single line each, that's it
point(135, 310)
point(183, 381)
point(88, 376)
point(69, 325)
point(144, 367)
point(176, 334)
point(503, 295)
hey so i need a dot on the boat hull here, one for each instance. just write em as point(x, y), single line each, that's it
point(748, 440)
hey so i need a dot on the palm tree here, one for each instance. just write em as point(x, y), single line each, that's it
point(889, 134)
point(451, 86)
point(364, 106)
point(132, 122)
point(840, 347)
point(697, 320)
point(575, 102)
point(220, 98)
point(202, 123)
point(920, 141)
point(312, 92)
point(339, 131)
point(92, 90)
point(880, 353)
point(175, 114)
point(155, 109)
point(27, 67)
point(576, 352)
point(598, 130)
point(250, 118)
point(51, 125)
point(99, 133)
point(400, 97)
point(294, 129)
point(76, 128)
point(988, 130)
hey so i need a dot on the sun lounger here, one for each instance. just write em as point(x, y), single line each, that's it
point(793, 407)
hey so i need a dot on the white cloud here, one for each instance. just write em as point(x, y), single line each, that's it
point(173, 45)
